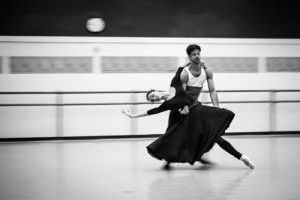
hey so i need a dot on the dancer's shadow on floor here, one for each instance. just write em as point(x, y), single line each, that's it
point(202, 182)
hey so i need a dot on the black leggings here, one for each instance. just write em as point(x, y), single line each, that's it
point(228, 148)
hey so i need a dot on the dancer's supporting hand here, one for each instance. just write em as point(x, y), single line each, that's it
point(184, 111)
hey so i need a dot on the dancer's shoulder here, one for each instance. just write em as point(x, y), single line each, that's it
point(184, 76)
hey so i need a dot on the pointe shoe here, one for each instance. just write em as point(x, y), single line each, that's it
point(247, 161)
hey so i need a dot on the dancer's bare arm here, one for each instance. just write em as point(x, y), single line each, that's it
point(211, 87)
point(129, 114)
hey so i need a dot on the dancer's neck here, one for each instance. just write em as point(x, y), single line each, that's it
point(195, 67)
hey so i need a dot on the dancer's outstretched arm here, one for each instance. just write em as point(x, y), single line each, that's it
point(129, 114)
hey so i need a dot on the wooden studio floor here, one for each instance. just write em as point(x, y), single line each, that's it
point(118, 169)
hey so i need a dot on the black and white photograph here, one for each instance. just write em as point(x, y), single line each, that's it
point(149, 100)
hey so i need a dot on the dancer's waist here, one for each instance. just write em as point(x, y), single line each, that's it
point(194, 105)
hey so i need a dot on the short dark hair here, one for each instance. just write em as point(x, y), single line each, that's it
point(152, 90)
point(191, 48)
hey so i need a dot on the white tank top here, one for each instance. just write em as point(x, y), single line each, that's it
point(196, 81)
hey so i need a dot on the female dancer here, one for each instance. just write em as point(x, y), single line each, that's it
point(194, 134)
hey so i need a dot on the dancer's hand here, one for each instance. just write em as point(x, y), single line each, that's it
point(184, 111)
point(126, 112)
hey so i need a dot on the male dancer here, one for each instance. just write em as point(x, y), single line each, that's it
point(193, 77)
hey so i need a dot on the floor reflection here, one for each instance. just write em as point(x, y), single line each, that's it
point(201, 183)
point(122, 169)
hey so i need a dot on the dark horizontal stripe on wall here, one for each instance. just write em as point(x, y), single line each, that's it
point(283, 64)
point(170, 64)
point(139, 64)
point(233, 64)
point(145, 64)
point(46, 65)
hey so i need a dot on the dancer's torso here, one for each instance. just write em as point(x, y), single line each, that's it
point(195, 84)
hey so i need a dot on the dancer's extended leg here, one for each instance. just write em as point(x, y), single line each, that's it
point(225, 145)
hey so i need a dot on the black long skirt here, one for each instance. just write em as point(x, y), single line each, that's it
point(193, 135)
